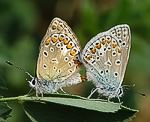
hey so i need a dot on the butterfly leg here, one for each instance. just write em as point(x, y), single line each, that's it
point(108, 100)
point(36, 93)
point(30, 93)
point(63, 90)
point(92, 92)
point(118, 98)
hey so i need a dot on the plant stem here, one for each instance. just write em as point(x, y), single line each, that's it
point(8, 99)
point(19, 98)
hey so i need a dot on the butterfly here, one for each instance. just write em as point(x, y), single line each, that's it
point(105, 58)
point(58, 60)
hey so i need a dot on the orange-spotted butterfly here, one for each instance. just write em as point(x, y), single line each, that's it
point(105, 57)
point(58, 61)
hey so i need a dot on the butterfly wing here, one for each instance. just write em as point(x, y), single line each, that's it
point(123, 34)
point(58, 56)
point(106, 55)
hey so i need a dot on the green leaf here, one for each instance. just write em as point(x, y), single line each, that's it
point(2, 84)
point(75, 109)
point(5, 111)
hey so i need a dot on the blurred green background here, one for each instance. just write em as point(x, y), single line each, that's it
point(23, 23)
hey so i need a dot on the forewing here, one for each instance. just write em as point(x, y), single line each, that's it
point(108, 54)
point(59, 49)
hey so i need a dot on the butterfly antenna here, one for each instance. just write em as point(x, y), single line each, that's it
point(128, 86)
point(21, 69)
point(142, 94)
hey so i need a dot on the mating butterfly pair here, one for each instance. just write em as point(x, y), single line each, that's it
point(105, 58)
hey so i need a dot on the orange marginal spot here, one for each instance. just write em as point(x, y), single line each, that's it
point(47, 41)
point(98, 45)
point(66, 41)
point(88, 57)
point(114, 45)
point(103, 41)
point(69, 46)
point(60, 38)
point(53, 39)
point(93, 50)
point(108, 41)
point(73, 52)
point(84, 78)
point(77, 62)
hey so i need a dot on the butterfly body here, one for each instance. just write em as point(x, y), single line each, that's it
point(105, 57)
point(58, 64)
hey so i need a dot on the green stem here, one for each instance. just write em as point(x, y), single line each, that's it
point(8, 99)
point(27, 98)
point(19, 98)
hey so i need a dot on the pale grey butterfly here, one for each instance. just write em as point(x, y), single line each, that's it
point(58, 64)
point(105, 57)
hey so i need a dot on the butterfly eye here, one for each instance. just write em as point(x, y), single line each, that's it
point(33, 82)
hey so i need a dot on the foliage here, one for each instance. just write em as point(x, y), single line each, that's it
point(23, 24)
point(66, 108)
